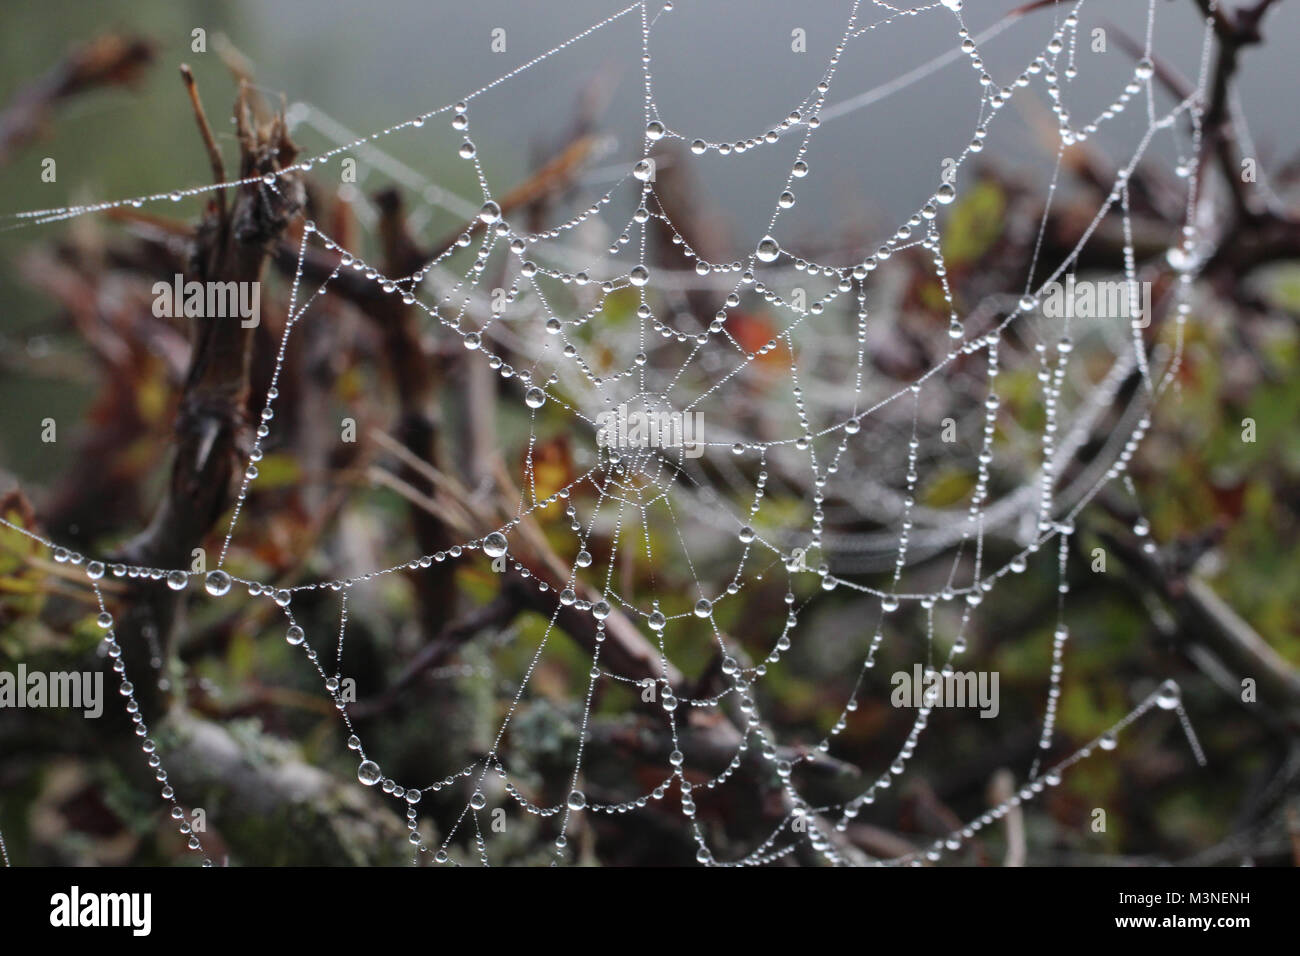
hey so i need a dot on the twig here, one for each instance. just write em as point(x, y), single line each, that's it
point(1204, 618)
point(413, 495)
point(417, 426)
point(1001, 789)
point(495, 615)
point(1234, 34)
point(109, 60)
point(214, 154)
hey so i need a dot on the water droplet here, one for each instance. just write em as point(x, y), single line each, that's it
point(644, 170)
point(490, 212)
point(494, 545)
point(577, 800)
point(953, 5)
point(177, 580)
point(583, 559)
point(946, 194)
point(105, 620)
point(95, 570)
point(1107, 741)
point(1169, 696)
point(703, 607)
point(216, 583)
point(478, 801)
point(369, 773)
point(568, 597)
point(656, 621)
point(746, 534)
point(467, 150)
point(639, 275)
point(654, 130)
point(534, 397)
point(768, 250)
point(295, 635)
point(698, 147)
point(600, 610)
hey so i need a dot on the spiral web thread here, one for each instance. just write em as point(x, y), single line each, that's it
point(653, 500)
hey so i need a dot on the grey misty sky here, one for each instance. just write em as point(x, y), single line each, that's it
point(725, 70)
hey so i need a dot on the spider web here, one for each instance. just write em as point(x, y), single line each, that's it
point(860, 441)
